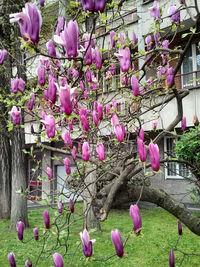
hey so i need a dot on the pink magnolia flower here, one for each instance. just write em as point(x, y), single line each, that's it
point(49, 122)
point(82, 85)
point(108, 109)
point(46, 218)
point(170, 77)
point(154, 156)
point(174, 14)
point(88, 56)
point(41, 3)
point(60, 25)
point(123, 129)
point(135, 40)
point(11, 259)
point(20, 229)
point(67, 139)
point(114, 120)
point(51, 48)
point(171, 259)
point(142, 149)
point(85, 151)
point(66, 161)
point(3, 55)
point(17, 83)
point(41, 75)
point(117, 242)
point(121, 39)
point(155, 10)
point(157, 38)
point(93, 5)
point(119, 133)
point(86, 243)
point(85, 94)
point(154, 125)
point(30, 22)
point(97, 58)
point(141, 134)
point(113, 35)
point(36, 234)
point(100, 111)
point(71, 206)
point(183, 123)
point(58, 260)
point(165, 44)
point(28, 263)
point(114, 103)
point(49, 173)
point(148, 41)
point(16, 115)
point(52, 89)
point(70, 124)
point(124, 59)
point(136, 217)
point(46, 95)
point(95, 118)
point(60, 207)
point(69, 38)
point(180, 232)
point(75, 73)
point(31, 102)
point(65, 99)
point(88, 75)
point(84, 123)
point(135, 85)
point(124, 79)
point(100, 151)
point(74, 153)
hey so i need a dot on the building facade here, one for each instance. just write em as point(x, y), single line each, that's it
point(136, 18)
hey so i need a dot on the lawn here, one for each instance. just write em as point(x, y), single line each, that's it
point(151, 248)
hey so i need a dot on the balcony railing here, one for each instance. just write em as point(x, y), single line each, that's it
point(187, 80)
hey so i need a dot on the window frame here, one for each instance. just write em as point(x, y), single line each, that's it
point(194, 69)
point(175, 176)
point(34, 183)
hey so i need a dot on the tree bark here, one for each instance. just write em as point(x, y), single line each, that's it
point(5, 173)
point(130, 194)
point(89, 193)
point(19, 179)
point(19, 163)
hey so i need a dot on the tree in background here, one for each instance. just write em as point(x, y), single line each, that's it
point(12, 167)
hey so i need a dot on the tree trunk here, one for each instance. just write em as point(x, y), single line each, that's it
point(19, 179)
point(19, 163)
point(5, 174)
point(130, 194)
point(89, 193)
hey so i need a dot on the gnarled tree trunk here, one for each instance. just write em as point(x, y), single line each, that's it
point(130, 194)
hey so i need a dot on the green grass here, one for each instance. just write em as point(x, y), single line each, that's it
point(151, 248)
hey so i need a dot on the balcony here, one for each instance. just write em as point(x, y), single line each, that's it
point(188, 80)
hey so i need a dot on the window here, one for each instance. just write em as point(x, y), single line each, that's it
point(69, 187)
point(191, 67)
point(113, 83)
point(34, 183)
point(173, 170)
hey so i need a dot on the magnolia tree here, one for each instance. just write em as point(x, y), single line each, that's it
point(107, 145)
